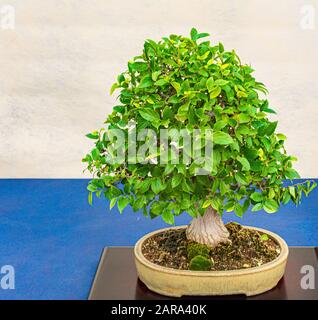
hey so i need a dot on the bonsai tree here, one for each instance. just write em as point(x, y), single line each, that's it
point(189, 84)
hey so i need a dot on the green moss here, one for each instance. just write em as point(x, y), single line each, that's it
point(200, 263)
point(197, 249)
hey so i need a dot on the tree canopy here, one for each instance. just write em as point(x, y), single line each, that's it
point(189, 83)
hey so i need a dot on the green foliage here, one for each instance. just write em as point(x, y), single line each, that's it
point(200, 263)
point(191, 83)
point(197, 249)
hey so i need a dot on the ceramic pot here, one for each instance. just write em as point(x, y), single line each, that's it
point(177, 283)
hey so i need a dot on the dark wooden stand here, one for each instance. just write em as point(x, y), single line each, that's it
point(116, 278)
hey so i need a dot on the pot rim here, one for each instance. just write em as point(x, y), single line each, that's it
point(238, 272)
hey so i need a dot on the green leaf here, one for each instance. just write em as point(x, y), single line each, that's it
point(90, 198)
point(257, 207)
point(155, 75)
point(157, 207)
point(206, 203)
point(120, 109)
point(243, 118)
point(256, 196)
point(193, 33)
point(245, 164)
point(168, 169)
point(183, 109)
point(219, 125)
point(168, 217)
point(186, 203)
point(281, 136)
point(98, 193)
point(149, 115)
point(215, 185)
point(266, 142)
point(139, 66)
point(183, 112)
point(238, 209)
point(93, 135)
point(268, 110)
point(176, 180)
point(95, 154)
point(181, 168)
point(176, 86)
point(221, 82)
point(145, 82)
point(122, 203)
point(292, 191)
point(291, 174)
point(270, 206)
point(201, 35)
point(243, 129)
point(210, 84)
point(91, 187)
point(113, 88)
point(223, 187)
point(138, 203)
point(222, 138)
point(241, 94)
point(240, 178)
point(114, 192)
point(161, 82)
point(215, 92)
point(271, 128)
point(286, 197)
point(112, 203)
point(144, 186)
point(157, 186)
point(216, 203)
point(204, 57)
point(246, 205)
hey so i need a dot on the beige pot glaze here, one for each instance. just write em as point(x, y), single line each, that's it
point(177, 283)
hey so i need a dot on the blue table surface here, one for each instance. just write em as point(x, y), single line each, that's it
point(54, 239)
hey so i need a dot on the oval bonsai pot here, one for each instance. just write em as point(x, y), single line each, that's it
point(177, 283)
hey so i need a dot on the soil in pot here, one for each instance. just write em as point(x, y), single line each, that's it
point(247, 248)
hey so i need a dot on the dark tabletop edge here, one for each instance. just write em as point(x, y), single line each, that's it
point(99, 267)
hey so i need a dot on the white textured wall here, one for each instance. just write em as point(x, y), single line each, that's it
point(57, 65)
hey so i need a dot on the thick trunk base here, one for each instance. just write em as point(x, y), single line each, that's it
point(208, 229)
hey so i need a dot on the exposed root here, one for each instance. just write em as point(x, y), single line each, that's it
point(208, 229)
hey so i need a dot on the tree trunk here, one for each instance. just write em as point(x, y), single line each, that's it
point(208, 229)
